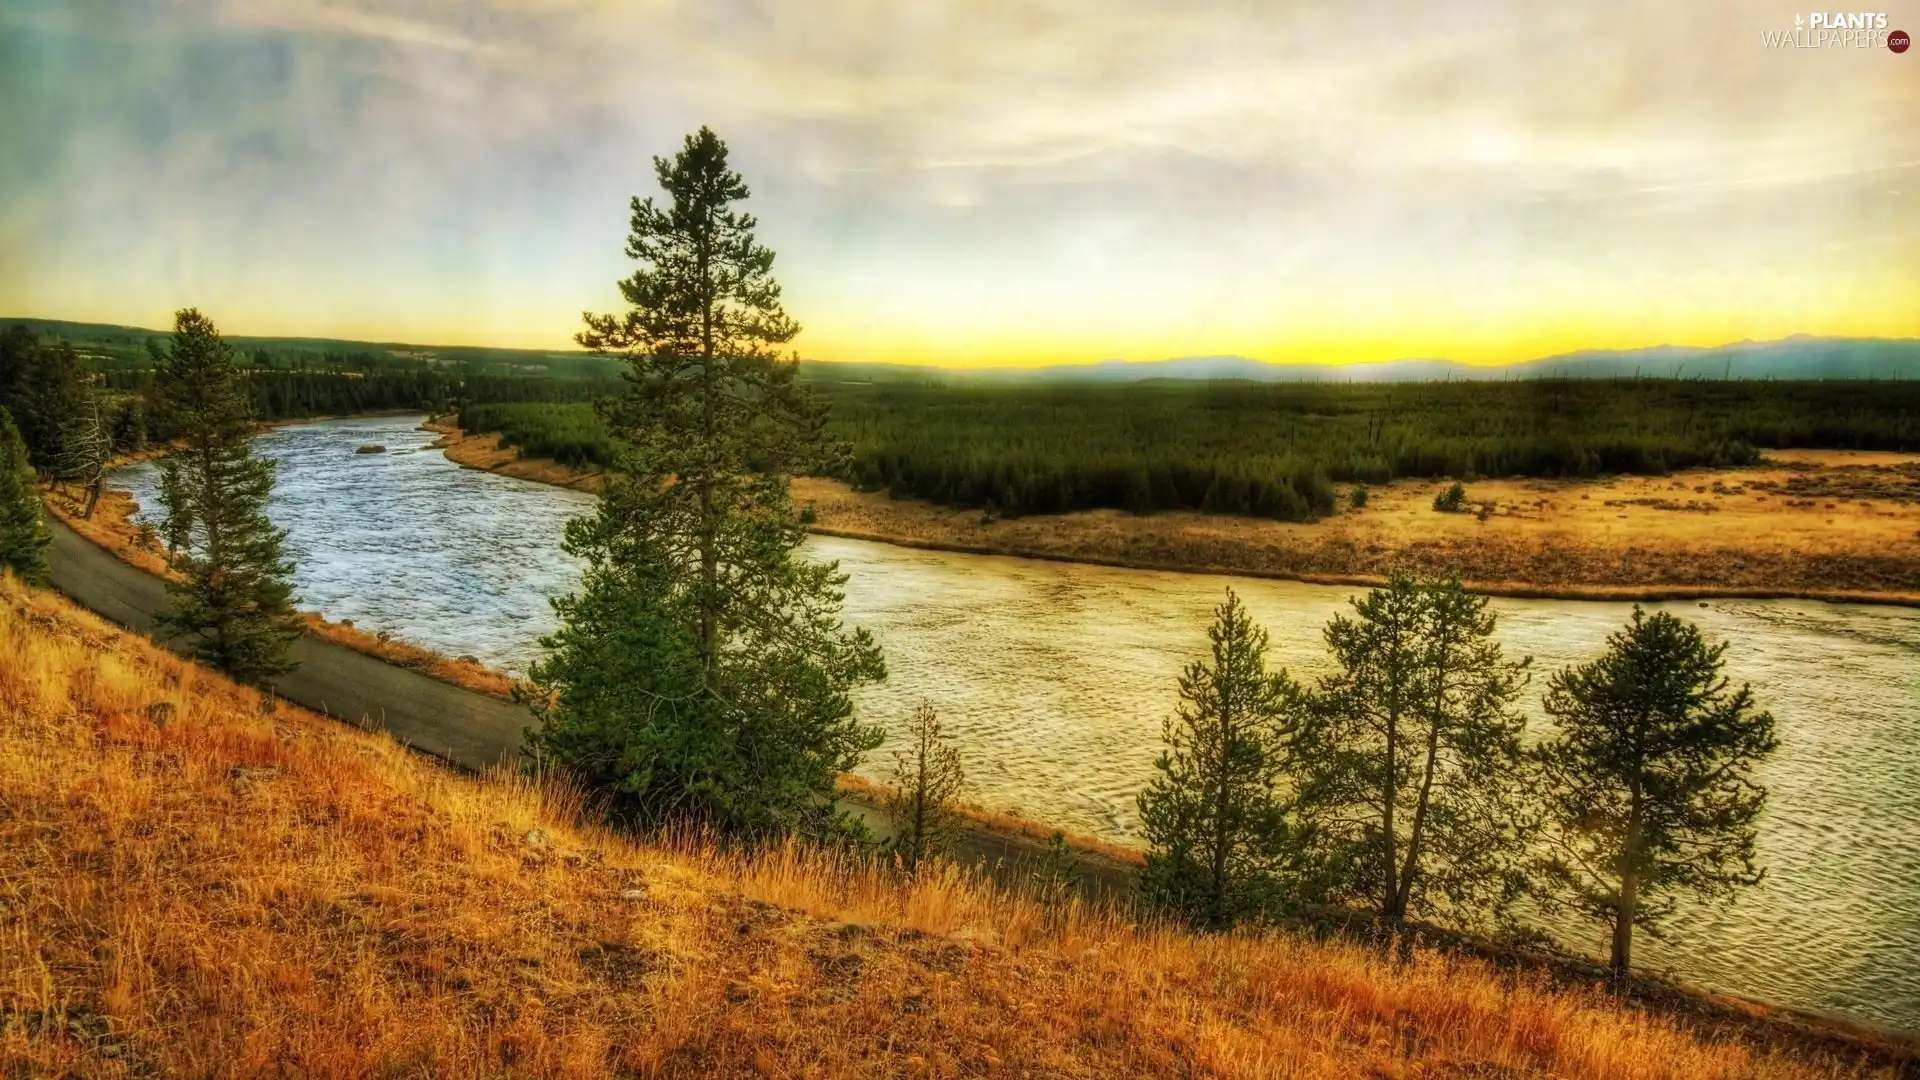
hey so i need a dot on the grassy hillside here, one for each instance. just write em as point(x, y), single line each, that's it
point(1273, 450)
point(195, 884)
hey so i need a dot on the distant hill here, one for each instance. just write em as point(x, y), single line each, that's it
point(1798, 357)
point(109, 346)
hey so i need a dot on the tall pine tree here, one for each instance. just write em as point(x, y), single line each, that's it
point(233, 602)
point(1215, 816)
point(1648, 782)
point(703, 672)
point(1414, 753)
point(23, 535)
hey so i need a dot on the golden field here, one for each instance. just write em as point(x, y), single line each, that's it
point(1837, 525)
point(196, 883)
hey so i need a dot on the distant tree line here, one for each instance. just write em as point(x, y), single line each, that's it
point(62, 406)
point(1276, 450)
point(285, 395)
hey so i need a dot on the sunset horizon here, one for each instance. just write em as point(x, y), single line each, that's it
point(1010, 187)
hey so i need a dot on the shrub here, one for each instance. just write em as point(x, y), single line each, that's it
point(1453, 500)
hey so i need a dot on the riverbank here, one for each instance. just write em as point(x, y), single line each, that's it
point(314, 897)
point(1008, 846)
point(113, 529)
point(1840, 526)
point(463, 492)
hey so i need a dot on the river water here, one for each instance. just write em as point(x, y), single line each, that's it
point(1055, 677)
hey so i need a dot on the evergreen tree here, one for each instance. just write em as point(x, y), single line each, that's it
point(927, 778)
point(23, 535)
point(233, 602)
point(1648, 783)
point(1215, 819)
point(703, 671)
point(44, 388)
point(1414, 753)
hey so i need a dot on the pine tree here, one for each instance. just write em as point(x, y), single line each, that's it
point(233, 603)
point(1414, 753)
point(703, 672)
point(1648, 783)
point(44, 388)
point(23, 535)
point(927, 778)
point(1215, 817)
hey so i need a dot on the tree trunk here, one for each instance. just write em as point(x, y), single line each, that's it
point(1622, 961)
point(919, 848)
point(1389, 902)
point(1404, 898)
point(1218, 915)
point(709, 558)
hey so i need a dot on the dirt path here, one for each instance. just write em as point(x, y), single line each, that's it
point(471, 730)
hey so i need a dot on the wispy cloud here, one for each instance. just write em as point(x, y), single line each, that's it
point(324, 18)
point(971, 179)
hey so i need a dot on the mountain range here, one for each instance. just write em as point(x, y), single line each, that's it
point(1798, 357)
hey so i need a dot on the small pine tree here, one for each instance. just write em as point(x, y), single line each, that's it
point(1214, 817)
point(23, 535)
point(1413, 753)
point(927, 778)
point(1358, 498)
point(1453, 500)
point(233, 602)
point(1648, 783)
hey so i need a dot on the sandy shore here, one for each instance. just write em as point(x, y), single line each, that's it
point(1826, 525)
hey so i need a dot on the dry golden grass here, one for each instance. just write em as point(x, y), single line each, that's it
point(194, 885)
point(994, 821)
point(1738, 532)
point(111, 527)
point(466, 674)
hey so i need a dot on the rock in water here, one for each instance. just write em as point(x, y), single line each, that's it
point(371, 448)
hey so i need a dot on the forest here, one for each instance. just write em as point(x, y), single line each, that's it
point(76, 408)
point(1276, 449)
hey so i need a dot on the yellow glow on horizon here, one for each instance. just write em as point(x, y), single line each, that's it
point(1005, 185)
point(1325, 327)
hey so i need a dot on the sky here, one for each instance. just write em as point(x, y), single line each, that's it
point(975, 182)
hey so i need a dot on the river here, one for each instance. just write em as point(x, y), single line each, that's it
point(1055, 677)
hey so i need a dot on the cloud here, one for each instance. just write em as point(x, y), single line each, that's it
point(956, 177)
point(325, 18)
